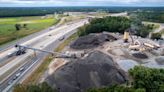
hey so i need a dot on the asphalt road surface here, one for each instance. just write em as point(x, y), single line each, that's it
point(45, 41)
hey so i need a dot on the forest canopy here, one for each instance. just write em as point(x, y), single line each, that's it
point(108, 24)
point(39, 11)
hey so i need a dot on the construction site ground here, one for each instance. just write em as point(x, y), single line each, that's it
point(110, 44)
point(126, 58)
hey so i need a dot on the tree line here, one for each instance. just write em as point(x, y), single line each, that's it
point(153, 16)
point(19, 26)
point(108, 24)
point(118, 24)
point(40, 11)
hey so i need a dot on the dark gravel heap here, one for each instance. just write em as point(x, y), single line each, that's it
point(91, 41)
point(140, 55)
point(96, 70)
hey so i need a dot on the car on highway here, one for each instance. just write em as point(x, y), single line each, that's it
point(10, 54)
point(15, 78)
point(10, 82)
point(49, 35)
point(21, 69)
point(42, 46)
point(51, 28)
point(20, 52)
point(61, 38)
point(18, 74)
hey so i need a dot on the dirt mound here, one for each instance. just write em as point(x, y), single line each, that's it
point(91, 41)
point(140, 55)
point(96, 70)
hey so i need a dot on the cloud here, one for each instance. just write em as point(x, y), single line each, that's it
point(80, 2)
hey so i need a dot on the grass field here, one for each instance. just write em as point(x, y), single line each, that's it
point(154, 25)
point(9, 33)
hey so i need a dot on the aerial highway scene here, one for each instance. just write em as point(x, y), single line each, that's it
point(81, 46)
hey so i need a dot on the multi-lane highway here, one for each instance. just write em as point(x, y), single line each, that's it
point(13, 71)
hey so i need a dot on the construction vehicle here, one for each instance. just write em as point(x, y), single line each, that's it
point(16, 52)
point(21, 51)
point(126, 35)
point(135, 46)
point(138, 45)
point(152, 46)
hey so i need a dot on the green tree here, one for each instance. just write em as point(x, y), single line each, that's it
point(44, 87)
point(143, 31)
point(18, 27)
point(24, 25)
point(109, 24)
point(116, 88)
point(144, 80)
point(136, 22)
point(33, 88)
point(156, 36)
point(150, 79)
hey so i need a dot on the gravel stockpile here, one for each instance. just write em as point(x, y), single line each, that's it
point(91, 41)
point(96, 70)
point(160, 60)
point(140, 55)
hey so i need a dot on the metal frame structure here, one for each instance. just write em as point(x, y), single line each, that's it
point(54, 54)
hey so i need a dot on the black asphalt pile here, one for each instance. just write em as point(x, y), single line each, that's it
point(160, 60)
point(91, 41)
point(96, 70)
point(140, 55)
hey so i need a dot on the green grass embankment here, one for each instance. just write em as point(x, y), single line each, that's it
point(9, 33)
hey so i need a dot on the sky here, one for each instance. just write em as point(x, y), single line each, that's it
point(56, 3)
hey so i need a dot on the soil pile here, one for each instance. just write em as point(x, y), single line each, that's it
point(140, 55)
point(91, 41)
point(96, 70)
